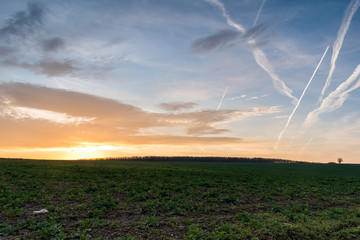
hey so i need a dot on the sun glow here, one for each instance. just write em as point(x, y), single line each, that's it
point(79, 151)
point(87, 150)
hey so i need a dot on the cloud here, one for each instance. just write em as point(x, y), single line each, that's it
point(229, 21)
point(53, 44)
point(23, 22)
point(60, 67)
point(55, 68)
point(238, 97)
point(71, 103)
point(220, 40)
point(335, 99)
point(203, 122)
point(33, 113)
point(227, 39)
point(345, 24)
point(203, 129)
point(255, 31)
point(61, 118)
point(248, 98)
point(48, 67)
point(258, 54)
point(176, 106)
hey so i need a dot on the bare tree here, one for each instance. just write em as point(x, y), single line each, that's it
point(340, 160)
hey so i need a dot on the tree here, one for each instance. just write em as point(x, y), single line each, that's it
point(340, 160)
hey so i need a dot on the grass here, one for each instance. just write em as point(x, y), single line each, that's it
point(174, 200)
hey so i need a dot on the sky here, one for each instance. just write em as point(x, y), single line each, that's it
point(235, 78)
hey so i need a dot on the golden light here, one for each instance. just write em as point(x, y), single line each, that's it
point(88, 150)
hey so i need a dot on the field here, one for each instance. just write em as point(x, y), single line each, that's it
point(178, 200)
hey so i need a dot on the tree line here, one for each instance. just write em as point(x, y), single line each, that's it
point(198, 159)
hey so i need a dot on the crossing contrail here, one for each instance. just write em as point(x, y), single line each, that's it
point(258, 13)
point(335, 99)
point(222, 98)
point(349, 13)
point(298, 103)
point(258, 54)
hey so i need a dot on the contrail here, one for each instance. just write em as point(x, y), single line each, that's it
point(226, 15)
point(298, 103)
point(264, 63)
point(349, 13)
point(259, 11)
point(336, 98)
point(259, 55)
point(222, 98)
point(306, 144)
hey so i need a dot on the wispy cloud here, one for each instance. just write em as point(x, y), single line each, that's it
point(226, 39)
point(220, 40)
point(238, 97)
point(176, 106)
point(204, 121)
point(23, 22)
point(33, 113)
point(301, 97)
point(229, 21)
point(264, 63)
point(25, 44)
point(48, 67)
point(248, 98)
point(254, 32)
point(335, 99)
point(350, 11)
point(258, 54)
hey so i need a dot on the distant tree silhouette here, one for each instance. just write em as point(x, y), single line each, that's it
point(340, 160)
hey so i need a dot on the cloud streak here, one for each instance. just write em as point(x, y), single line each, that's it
point(298, 103)
point(258, 54)
point(350, 11)
point(335, 99)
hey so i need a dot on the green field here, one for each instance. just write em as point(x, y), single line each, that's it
point(175, 200)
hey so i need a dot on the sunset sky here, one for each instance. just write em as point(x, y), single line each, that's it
point(246, 78)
